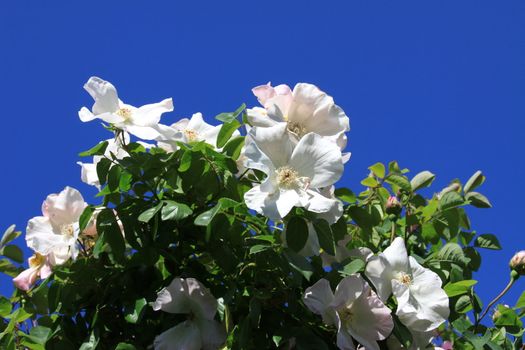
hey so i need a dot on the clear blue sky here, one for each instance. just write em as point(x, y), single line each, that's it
point(436, 85)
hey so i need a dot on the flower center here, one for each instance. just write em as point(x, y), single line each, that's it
point(404, 278)
point(124, 113)
point(296, 129)
point(287, 177)
point(36, 260)
point(67, 230)
point(345, 315)
point(191, 135)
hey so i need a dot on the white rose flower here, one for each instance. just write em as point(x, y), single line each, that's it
point(89, 170)
point(305, 109)
point(293, 174)
point(422, 303)
point(55, 234)
point(355, 309)
point(200, 331)
point(141, 122)
point(188, 130)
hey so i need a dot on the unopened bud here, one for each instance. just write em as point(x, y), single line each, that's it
point(497, 314)
point(393, 206)
point(517, 263)
point(452, 187)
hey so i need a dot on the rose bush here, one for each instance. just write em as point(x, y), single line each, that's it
point(233, 236)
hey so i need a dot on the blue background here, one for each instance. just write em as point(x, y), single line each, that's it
point(436, 85)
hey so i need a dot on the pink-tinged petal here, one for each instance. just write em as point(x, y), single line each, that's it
point(263, 93)
point(328, 208)
point(316, 111)
point(286, 200)
point(379, 272)
point(174, 298)
point(344, 339)
point(184, 336)
point(65, 207)
point(346, 157)
point(317, 159)
point(371, 321)
point(397, 256)
point(318, 298)
point(258, 116)
point(45, 270)
point(104, 94)
point(204, 305)
point(85, 115)
point(143, 132)
point(213, 334)
point(256, 159)
point(149, 115)
point(447, 345)
point(347, 291)
point(88, 174)
point(274, 142)
point(422, 305)
point(26, 279)
point(41, 235)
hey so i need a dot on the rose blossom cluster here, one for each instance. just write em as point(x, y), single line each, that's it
point(297, 140)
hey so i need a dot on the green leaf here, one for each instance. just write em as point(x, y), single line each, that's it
point(85, 217)
point(5, 306)
point(39, 334)
point(125, 346)
point(97, 150)
point(146, 215)
point(296, 233)
point(463, 304)
point(185, 161)
point(369, 182)
point(133, 313)
point(114, 178)
point(205, 218)
point(325, 236)
point(299, 263)
point(103, 166)
point(423, 179)
point(9, 235)
point(234, 147)
point(402, 333)
point(507, 317)
point(175, 211)
point(459, 288)
point(399, 181)
point(519, 304)
point(378, 169)
point(353, 267)
point(91, 343)
point(478, 200)
point(361, 217)
point(451, 200)
point(7, 267)
point(345, 195)
point(111, 237)
point(125, 181)
point(259, 248)
point(12, 252)
point(229, 117)
point(226, 132)
point(487, 241)
point(452, 252)
point(475, 180)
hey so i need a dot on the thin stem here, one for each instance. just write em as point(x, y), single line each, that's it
point(498, 297)
point(393, 231)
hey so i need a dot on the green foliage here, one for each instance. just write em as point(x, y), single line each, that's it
point(163, 215)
